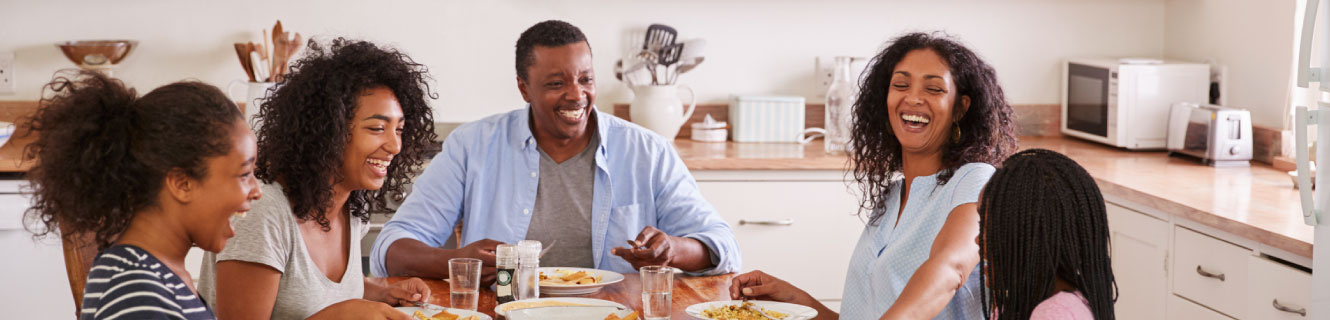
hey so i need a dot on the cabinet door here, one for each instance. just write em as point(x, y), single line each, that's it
point(34, 284)
point(800, 231)
point(1140, 252)
point(1179, 308)
point(1281, 293)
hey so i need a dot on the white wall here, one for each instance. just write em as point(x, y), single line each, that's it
point(1254, 39)
point(755, 46)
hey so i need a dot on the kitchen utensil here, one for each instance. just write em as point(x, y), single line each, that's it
point(242, 52)
point(659, 108)
point(256, 60)
point(278, 48)
point(687, 64)
point(693, 48)
point(669, 55)
point(658, 36)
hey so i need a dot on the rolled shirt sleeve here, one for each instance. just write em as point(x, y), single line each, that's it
point(683, 212)
point(432, 210)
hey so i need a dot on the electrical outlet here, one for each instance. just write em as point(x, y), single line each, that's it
point(824, 72)
point(7, 73)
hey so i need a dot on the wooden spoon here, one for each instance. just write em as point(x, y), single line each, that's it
point(242, 52)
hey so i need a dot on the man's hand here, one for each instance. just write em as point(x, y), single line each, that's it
point(485, 251)
point(652, 248)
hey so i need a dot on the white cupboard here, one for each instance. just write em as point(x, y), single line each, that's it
point(798, 226)
point(1140, 263)
point(1167, 270)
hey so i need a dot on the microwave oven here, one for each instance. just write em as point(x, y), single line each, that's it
point(1125, 103)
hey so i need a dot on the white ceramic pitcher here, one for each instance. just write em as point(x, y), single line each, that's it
point(659, 108)
point(255, 94)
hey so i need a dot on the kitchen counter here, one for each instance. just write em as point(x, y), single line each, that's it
point(1256, 202)
point(757, 156)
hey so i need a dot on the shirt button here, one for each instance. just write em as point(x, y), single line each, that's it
point(533, 174)
point(526, 211)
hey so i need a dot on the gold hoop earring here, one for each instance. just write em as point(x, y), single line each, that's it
point(955, 134)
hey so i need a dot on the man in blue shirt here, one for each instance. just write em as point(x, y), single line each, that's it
point(599, 191)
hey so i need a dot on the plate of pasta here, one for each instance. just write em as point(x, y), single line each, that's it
point(445, 314)
point(746, 310)
point(560, 281)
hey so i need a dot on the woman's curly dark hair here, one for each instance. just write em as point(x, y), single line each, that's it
point(102, 153)
point(305, 124)
point(988, 133)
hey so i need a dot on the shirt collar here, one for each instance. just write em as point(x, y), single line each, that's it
point(520, 134)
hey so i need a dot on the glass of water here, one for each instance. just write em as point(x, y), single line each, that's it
point(464, 283)
point(657, 291)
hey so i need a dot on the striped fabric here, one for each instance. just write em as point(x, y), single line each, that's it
point(126, 282)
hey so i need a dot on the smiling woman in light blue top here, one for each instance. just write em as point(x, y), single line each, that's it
point(929, 124)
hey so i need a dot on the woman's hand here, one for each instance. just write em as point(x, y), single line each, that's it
point(360, 309)
point(757, 285)
point(402, 293)
point(761, 286)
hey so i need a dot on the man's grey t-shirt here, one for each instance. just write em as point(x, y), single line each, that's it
point(563, 208)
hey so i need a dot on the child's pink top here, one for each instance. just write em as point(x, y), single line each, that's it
point(1063, 305)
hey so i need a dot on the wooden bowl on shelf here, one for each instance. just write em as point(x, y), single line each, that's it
point(97, 53)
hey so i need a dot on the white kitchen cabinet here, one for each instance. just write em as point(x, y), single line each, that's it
point(801, 230)
point(34, 284)
point(1140, 261)
point(1277, 291)
point(1210, 272)
point(1179, 308)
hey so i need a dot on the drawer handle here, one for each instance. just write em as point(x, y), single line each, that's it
point(1201, 272)
point(1280, 307)
point(786, 222)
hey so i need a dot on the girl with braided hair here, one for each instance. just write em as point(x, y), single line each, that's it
point(1044, 238)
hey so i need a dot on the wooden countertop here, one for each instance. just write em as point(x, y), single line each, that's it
point(1256, 202)
point(757, 156)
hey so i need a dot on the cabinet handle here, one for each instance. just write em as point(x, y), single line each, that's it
point(1219, 276)
point(1280, 307)
point(786, 222)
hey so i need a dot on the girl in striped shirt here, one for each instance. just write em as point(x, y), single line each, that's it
point(147, 178)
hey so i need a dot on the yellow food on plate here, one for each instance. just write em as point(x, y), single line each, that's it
point(630, 316)
point(568, 278)
point(745, 311)
point(442, 315)
point(547, 303)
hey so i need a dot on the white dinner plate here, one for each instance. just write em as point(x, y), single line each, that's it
point(501, 310)
point(464, 313)
point(606, 278)
point(566, 313)
point(791, 311)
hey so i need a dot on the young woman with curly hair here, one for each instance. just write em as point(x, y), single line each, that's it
point(338, 135)
point(1044, 238)
point(146, 178)
point(929, 125)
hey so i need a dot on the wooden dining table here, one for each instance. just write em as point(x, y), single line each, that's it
point(688, 290)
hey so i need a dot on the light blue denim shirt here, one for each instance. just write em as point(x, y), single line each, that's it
point(889, 253)
point(488, 172)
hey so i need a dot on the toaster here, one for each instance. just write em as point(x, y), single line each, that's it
point(1217, 135)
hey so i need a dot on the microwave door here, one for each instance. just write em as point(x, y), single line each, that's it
point(1087, 99)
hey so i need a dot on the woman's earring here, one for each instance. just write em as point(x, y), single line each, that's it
point(955, 134)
